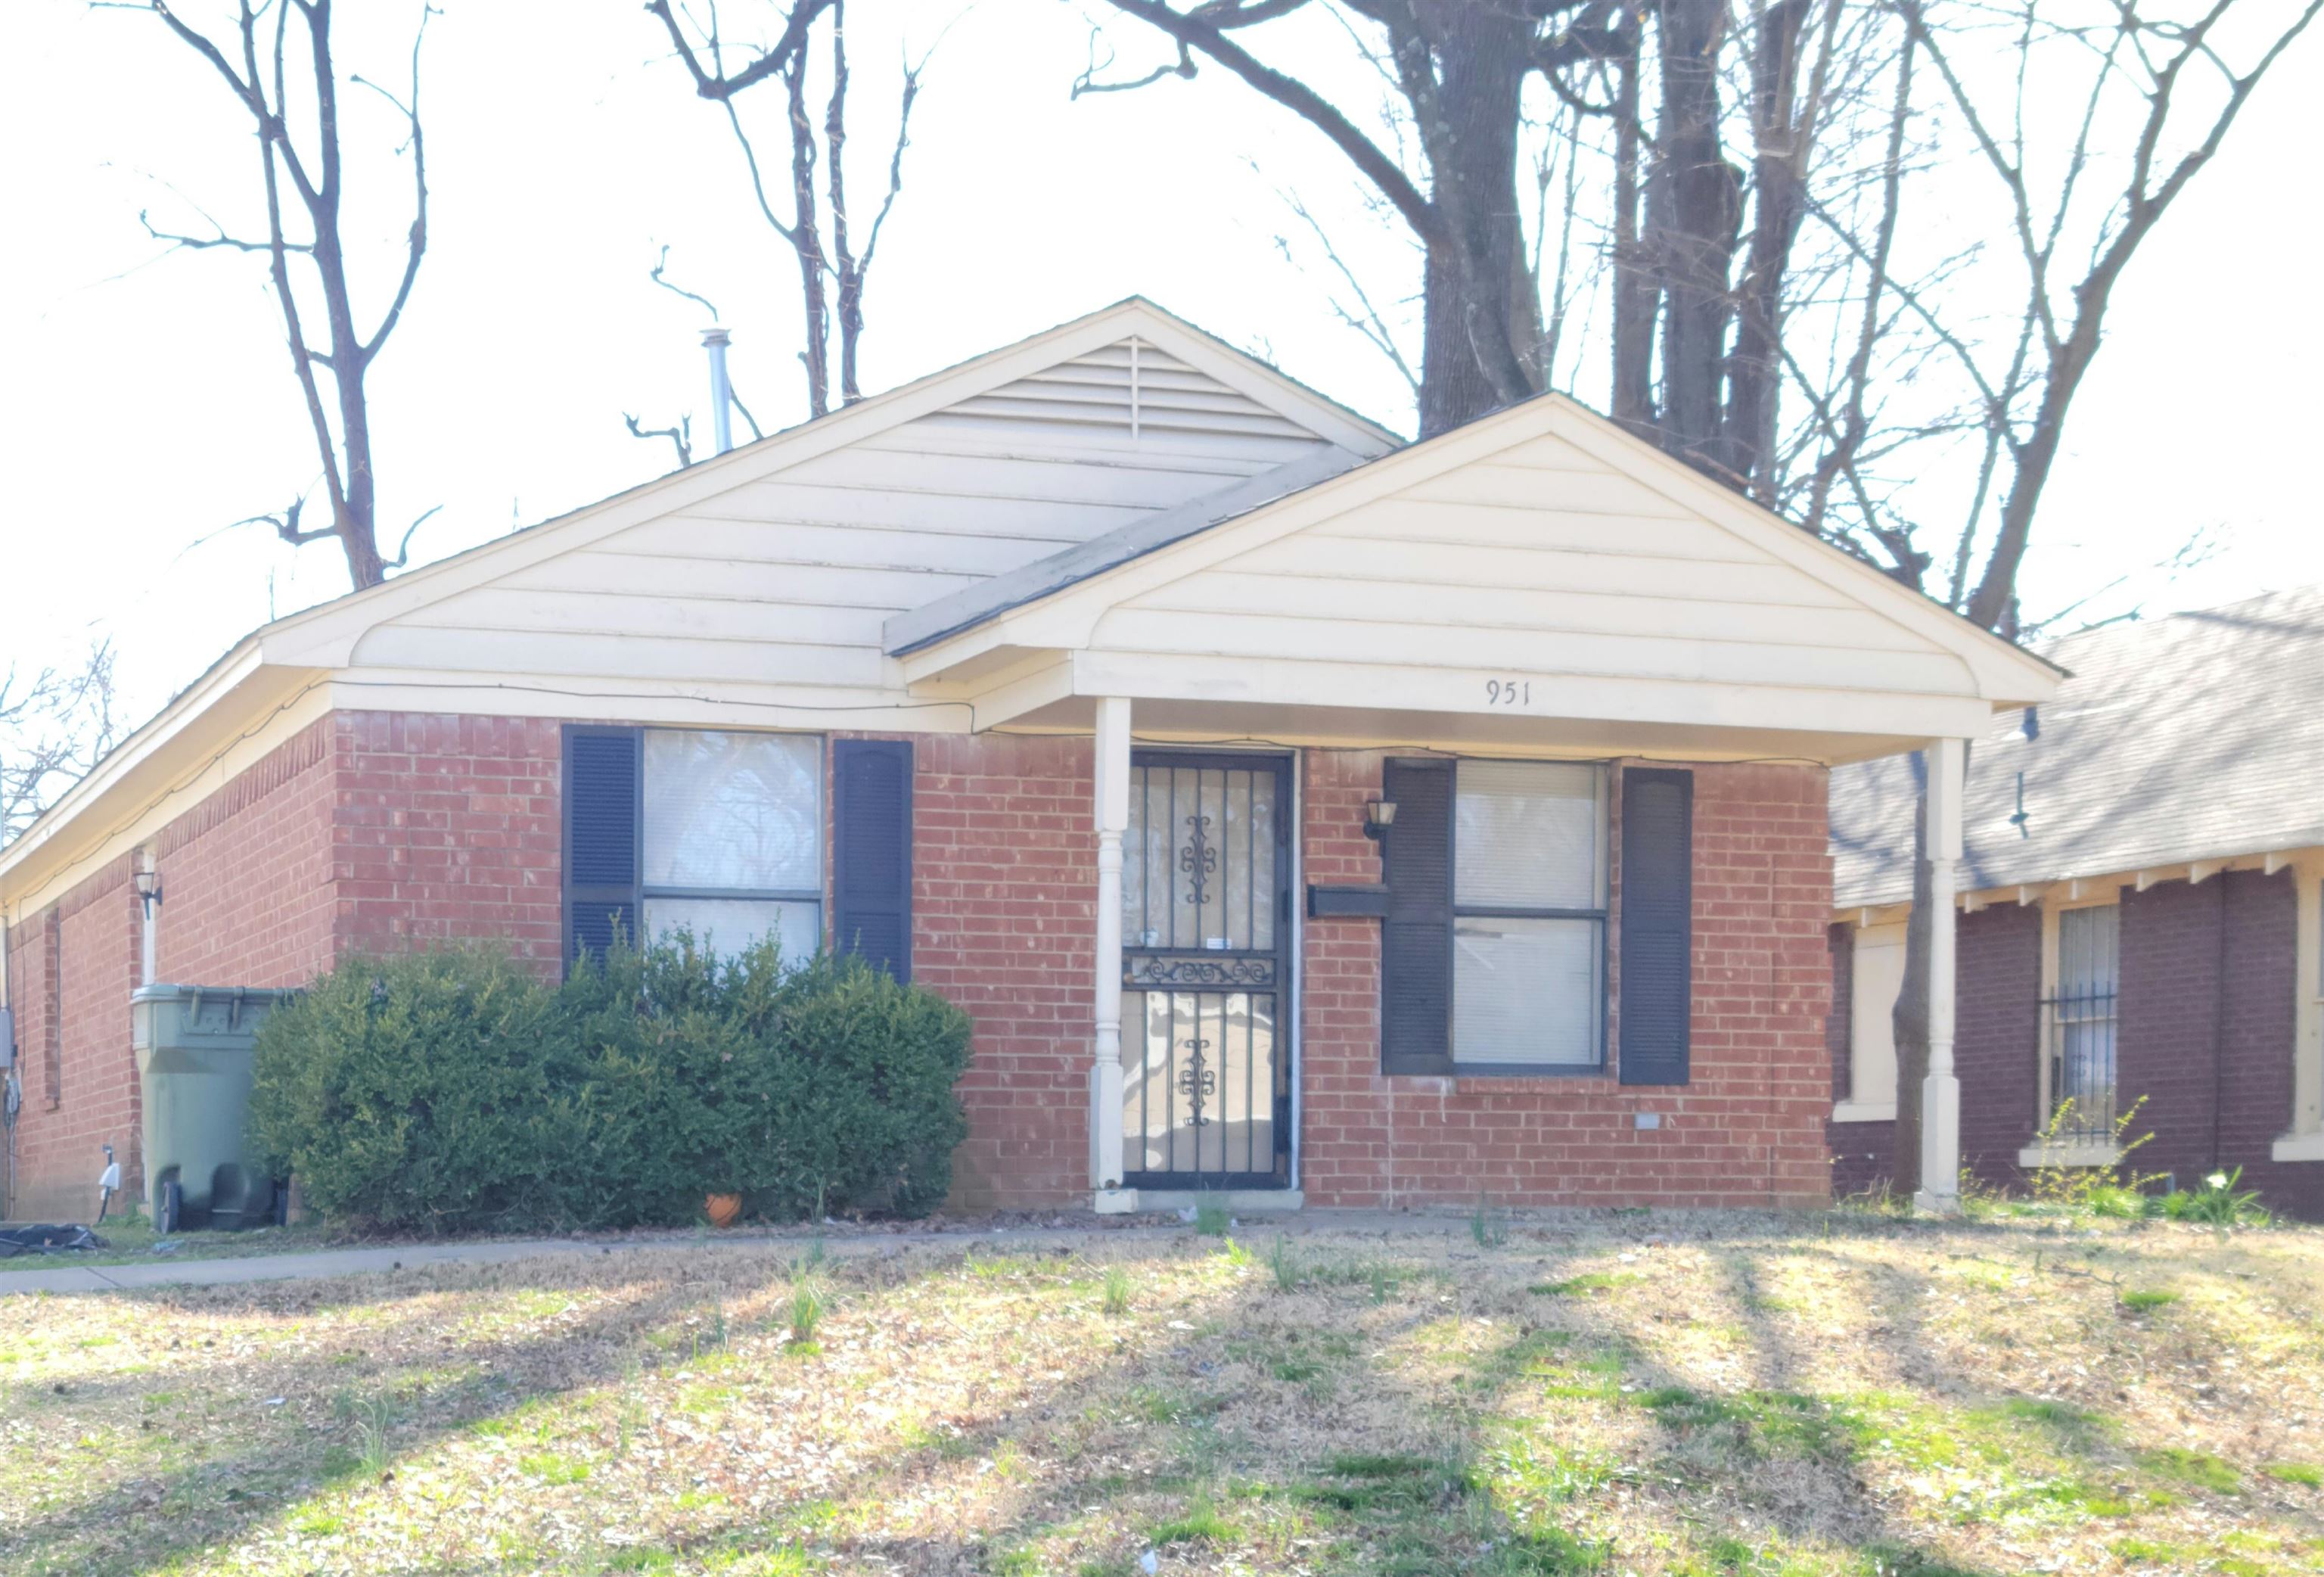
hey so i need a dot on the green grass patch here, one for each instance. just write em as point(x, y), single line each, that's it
point(1584, 1284)
point(2308, 1474)
point(2143, 1300)
point(554, 1468)
point(1199, 1524)
point(2196, 1469)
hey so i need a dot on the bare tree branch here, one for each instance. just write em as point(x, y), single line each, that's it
point(340, 424)
point(53, 728)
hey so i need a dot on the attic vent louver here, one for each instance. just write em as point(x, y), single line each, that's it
point(1132, 390)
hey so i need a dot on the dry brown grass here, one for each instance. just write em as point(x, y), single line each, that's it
point(1652, 1393)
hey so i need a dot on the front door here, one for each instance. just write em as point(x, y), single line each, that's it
point(1207, 972)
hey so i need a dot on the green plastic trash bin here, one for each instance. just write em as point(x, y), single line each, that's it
point(194, 1051)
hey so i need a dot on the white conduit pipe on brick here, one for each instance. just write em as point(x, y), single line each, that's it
point(12, 1097)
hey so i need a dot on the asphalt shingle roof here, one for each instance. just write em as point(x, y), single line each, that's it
point(2195, 737)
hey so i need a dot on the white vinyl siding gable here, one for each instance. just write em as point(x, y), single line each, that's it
point(784, 581)
point(1538, 561)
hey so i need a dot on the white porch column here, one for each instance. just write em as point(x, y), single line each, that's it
point(1113, 776)
point(1939, 1191)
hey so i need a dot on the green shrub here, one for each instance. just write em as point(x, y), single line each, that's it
point(409, 1094)
point(452, 1090)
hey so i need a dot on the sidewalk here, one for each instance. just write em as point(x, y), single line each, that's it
point(316, 1264)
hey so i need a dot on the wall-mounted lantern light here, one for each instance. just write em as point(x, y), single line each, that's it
point(149, 890)
point(1380, 815)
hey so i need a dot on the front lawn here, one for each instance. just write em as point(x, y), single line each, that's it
point(1684, 1394)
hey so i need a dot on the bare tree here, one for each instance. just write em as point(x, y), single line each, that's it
point(309, 160)
point(833, 250)
point(1684, 305)
point(2127, 57)
point(53, 728)
point(2132, 75)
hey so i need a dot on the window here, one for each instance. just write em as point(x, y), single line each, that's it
point(2078, 1024)
point(1529, 916)
point(1875, 977)
point(733, 838)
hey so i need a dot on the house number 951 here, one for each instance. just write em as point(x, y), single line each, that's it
point(1508, 692)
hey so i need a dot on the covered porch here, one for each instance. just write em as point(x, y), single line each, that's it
point(1555, 713)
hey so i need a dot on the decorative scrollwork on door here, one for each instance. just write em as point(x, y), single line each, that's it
point(1198, 861)
point(1197, 1081)
point(1142, 970)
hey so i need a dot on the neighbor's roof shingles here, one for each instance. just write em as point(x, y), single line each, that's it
point(2196, 736)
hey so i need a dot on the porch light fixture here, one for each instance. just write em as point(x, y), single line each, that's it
point(149, 890)
point(1380, 815)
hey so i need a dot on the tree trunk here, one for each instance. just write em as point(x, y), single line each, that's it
point(1778, 202)
point(1909, 1019)
point(1481, 321)
point(1694, 223)
point(1635, 291)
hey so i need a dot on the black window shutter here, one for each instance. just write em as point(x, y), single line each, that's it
point(603, 798)
point(1416, 937)
point(872, 853)
point(1657, 946)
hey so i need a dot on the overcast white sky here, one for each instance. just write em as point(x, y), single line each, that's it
point(145, 400)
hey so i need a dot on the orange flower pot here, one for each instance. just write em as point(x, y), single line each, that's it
point(723, 1209)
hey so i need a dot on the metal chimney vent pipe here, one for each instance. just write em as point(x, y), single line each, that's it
point(722, 394)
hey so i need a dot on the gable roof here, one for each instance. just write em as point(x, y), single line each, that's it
point(2195, 737)
point(1129, 367)
point(1211, 529)
point(985, 381)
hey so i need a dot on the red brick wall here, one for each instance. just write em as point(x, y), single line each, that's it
point(1748, 1129)
point(447, 828)
point(376, 830)
point(71, 968)
point(1004, 888)
point(1998, 1036)
point(246, 875)
point(371, 830)
point(2207, 1010)
point(2171, 1033)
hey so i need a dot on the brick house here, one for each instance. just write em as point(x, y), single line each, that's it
point(1295, 812)
point(2142, 914)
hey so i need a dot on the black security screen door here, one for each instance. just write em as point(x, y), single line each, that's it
point(1205, 973)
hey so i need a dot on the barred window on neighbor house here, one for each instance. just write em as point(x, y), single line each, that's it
point(1529, 916)
point(2080, 1021)
point(733, 838)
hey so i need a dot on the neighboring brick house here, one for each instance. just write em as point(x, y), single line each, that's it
point(2143, 914)
point(1295, 813)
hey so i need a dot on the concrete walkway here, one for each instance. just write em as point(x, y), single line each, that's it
point(316, 1264)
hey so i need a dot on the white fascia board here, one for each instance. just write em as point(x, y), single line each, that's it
point(1281, 682)
point(1864, 1111)
point(1025, 688)
point(2005, 674)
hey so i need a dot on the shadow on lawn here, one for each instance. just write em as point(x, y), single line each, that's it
point(1193, 1440)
